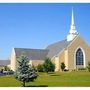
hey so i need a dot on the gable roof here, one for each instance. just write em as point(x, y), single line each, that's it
point(4, 62)
point(49, 51)
point(32, 54)
point(57, 47)
point(41, 54)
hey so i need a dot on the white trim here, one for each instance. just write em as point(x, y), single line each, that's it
point(73, 40)
point(83, 56)
point(76, 38)
point(67, 46)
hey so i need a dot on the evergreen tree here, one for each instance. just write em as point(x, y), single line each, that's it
point(63, 66)
point(48, 65)
point(24, 73)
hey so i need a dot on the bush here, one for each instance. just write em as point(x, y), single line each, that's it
point(66, 70)
point(34, 68)
point(48, 66)
point(40, 68)
point(63, 66)
point(74, 70)
point(88, 67)
point(6, 68)
point(81, 68)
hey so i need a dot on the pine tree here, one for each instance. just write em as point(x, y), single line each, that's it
point(24, 73)
point(48, 65)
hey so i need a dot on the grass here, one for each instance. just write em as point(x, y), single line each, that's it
point(60, 79)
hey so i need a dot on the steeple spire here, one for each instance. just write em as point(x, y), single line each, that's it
point(73, 33)
point(73, 27)
point(72, 23)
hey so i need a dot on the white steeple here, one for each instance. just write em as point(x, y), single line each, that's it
point(72, 18)
point(72, 33)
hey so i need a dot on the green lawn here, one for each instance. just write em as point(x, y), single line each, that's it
point(64, 79)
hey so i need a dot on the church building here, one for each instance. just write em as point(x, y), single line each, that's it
point(73, 51)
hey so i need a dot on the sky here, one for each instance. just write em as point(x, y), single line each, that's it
point(36, 25)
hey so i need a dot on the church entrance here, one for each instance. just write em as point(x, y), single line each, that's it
point(79, 58)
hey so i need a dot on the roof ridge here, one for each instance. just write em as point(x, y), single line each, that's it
point(30, 48)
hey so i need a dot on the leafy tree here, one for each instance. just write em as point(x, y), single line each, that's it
point(24, 73)
point(40, 68)
point(88, 67)
point(63, 66)
point(48, 66)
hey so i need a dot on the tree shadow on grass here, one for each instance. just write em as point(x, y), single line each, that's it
point(54, 75)
point(37, 86)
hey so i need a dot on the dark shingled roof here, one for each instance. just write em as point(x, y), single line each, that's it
point(57, 47)
point(32, 54)
point(4, 62)
point(40, 54)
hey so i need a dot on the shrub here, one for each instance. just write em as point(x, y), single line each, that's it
point(48, 66)
point(81, 68)
point(6, 68)
point(88, 67)
point(40, 68)
point(63, 66)
point(66, 70)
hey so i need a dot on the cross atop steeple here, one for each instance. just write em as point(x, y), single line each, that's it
point(72, 33)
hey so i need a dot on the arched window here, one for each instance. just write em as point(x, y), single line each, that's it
point(79, 57)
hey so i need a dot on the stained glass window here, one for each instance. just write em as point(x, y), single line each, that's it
point(79, 57)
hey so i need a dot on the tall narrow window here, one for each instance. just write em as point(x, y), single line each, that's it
point(79, 57)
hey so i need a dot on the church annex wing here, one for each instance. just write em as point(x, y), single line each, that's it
point(40, 54)
point(32, 54)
